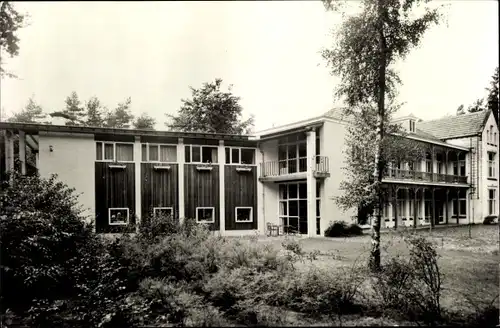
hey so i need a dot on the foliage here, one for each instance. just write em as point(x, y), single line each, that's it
point(121, 117)
point(31, 113)
point(10, 22)
point(210, 110)
point(356, 54)
point(144, 122)
point(360, 156)
point(493, 99)
point(94, 113)
point(366, 47)
point(490, 102)
point(44, 242)
point(412, 286)
point(342, 229)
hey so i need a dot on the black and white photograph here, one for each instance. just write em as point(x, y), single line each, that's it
point(321, 163)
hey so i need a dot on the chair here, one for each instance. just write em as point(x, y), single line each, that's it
point(272, 228)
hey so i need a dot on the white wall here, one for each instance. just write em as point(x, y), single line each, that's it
point(72, 159)
point(486, 182)
point(332, 145)
point(269, 204)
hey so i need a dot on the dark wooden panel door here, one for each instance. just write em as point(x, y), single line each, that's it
point(114, 188)
point(159, 188)
point(240, 190)
point(201, 189)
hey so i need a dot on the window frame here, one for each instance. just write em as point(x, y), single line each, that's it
point(163, 208)
point(148, 160)
point(118, 223)
point(492, 202)
point(205, 208)
point(114, 143)
point(239, 156)
point(201, 154)
point(243, 208)
point(492, 165)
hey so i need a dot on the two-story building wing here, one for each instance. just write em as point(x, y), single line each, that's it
point(287, 176)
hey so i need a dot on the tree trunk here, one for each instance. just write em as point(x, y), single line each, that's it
point(378, 170)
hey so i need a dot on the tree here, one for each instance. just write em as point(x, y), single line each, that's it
point(461, 110)
point(94, 113)
point(493, 97)
point(121, 117)
point(360, 156)
point(366, 45)
point(210, 110)
point(31, 113)
point(74, 113)
point(144, 122)
point(10, 22)
point(477, 106)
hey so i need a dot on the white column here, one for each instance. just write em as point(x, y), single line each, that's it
point(261, 221)
point(222, 203)
point(138, 182)
point(407, 206)
point(422, 206)
point(180, 178)
point(311, 183)
point(22, 151)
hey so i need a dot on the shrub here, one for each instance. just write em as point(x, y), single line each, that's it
point(47, 250)
point(342, 229)
point(319, 291)
point(412, 287)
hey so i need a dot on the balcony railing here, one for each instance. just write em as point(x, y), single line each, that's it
point(291, 166)
point(400, 174)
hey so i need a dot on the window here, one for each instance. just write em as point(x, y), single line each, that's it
point(159, 153)
point(111, 151)
point(492, 208)
point(487, 136)
point(460, 200)
point(118, 216)
point(293, 207)
point(240, 155)
point(490, 137)
point(200, 154)
point(494, 138)
point(163, 211)
point(491, 165)
point(205, 214)
point(412, 126)
point(244, 214)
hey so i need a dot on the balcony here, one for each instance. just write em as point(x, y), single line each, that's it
point(293, 169)
point(418, 176)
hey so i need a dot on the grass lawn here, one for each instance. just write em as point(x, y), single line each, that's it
point(469, 265)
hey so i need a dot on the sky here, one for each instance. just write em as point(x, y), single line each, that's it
point(269, 51)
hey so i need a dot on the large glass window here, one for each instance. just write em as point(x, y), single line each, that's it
point(293, 207)
point(114, 151)
point(200, 154)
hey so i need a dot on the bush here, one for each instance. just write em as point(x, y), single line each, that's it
point(412, 287)
point(47, 250)
point(342, 229)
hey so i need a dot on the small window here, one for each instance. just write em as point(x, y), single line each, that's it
point(98, 151)
point(153, 153)
point(109, 152)
point(187, 154)
point(124, 152)
point(163, 211)
point(235, 156)
point(205, 215)
point(209, 154)
point(118, 216)
point(247, 156)
point(228, 155)
point(168, 154)
point(196, 154)
point(144, 150)
point(244, 214)
point(302, 190)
